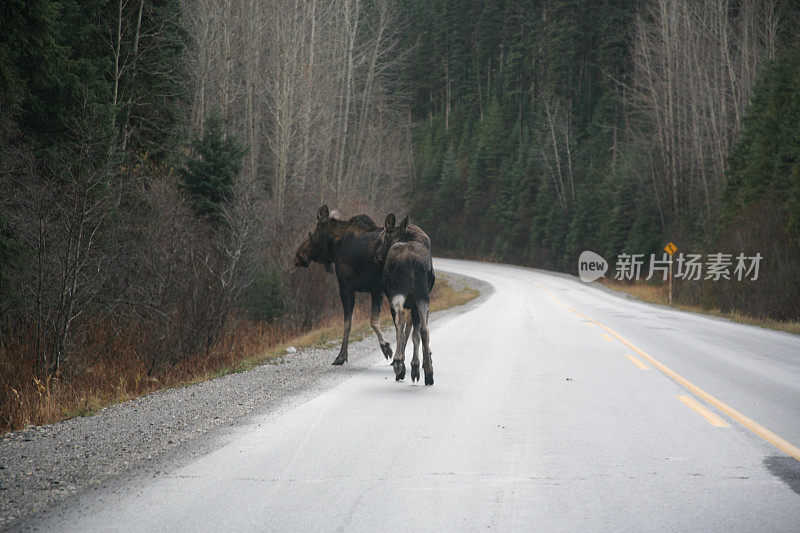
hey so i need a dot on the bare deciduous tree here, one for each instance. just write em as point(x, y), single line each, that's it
point(305, 85)
point(694, 66)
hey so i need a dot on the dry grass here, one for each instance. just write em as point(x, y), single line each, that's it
point(658, 294)
point(99, 377)
point(102, 378)
point(446, 296)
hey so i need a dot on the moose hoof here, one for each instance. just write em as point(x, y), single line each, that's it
point(414, 373)
point(340, 359)
point(399, 370)
point(429, 379)
point(386, 349)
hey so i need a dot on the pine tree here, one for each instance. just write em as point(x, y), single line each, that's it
point(209, 176)
point(265, 297)
point(486, 161)
point(449, 199)
point(765, 165)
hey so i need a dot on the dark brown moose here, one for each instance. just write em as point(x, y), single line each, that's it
point(408, 280)
point(352, 247)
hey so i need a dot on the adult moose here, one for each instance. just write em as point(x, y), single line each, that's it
point(351, 246)
point(408, 279)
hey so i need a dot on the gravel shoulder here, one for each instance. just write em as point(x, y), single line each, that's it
point(49, 466)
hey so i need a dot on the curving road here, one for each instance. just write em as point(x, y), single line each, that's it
point(557, 406)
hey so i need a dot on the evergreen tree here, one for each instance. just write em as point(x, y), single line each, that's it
point(449, 198)
point(765, 165)
point(265, 297)
point(486, 162)
point(52, 68)
point(209, 176)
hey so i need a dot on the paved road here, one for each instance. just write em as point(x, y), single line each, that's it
point(557, 406)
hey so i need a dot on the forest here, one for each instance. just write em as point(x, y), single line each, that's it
point(545, 128)
point(161, 159)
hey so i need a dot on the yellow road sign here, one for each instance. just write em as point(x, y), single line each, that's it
point(670, 248)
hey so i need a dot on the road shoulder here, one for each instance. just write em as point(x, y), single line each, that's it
point(49, 467)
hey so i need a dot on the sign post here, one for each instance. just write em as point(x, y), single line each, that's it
point(670, 249)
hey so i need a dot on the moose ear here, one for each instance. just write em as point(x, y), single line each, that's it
point(404, 223)
point(389, 222)
point(323, 213)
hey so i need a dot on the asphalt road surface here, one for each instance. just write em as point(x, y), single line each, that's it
point(557, 406)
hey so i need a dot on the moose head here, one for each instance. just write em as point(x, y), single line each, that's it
point(318, 246)
point(391, 234)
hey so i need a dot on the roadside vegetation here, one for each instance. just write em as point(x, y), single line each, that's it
point(107, 380)
point(658, 293)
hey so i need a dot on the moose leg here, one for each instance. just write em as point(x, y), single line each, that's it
point(409, 322)
point(374, 321)
point(415, 360)
point(427, 362)
point(398, 362)
point(348, 301)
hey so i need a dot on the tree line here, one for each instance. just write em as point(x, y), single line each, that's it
point(159, 159)
point(548, 127)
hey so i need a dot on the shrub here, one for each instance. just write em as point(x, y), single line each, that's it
point(265, 296)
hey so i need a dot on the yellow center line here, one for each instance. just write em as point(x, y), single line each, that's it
point(606, 337)
point(782, 444)
point(705, 413)
point(637, 362)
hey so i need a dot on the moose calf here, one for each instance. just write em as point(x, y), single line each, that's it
point(408, 279)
